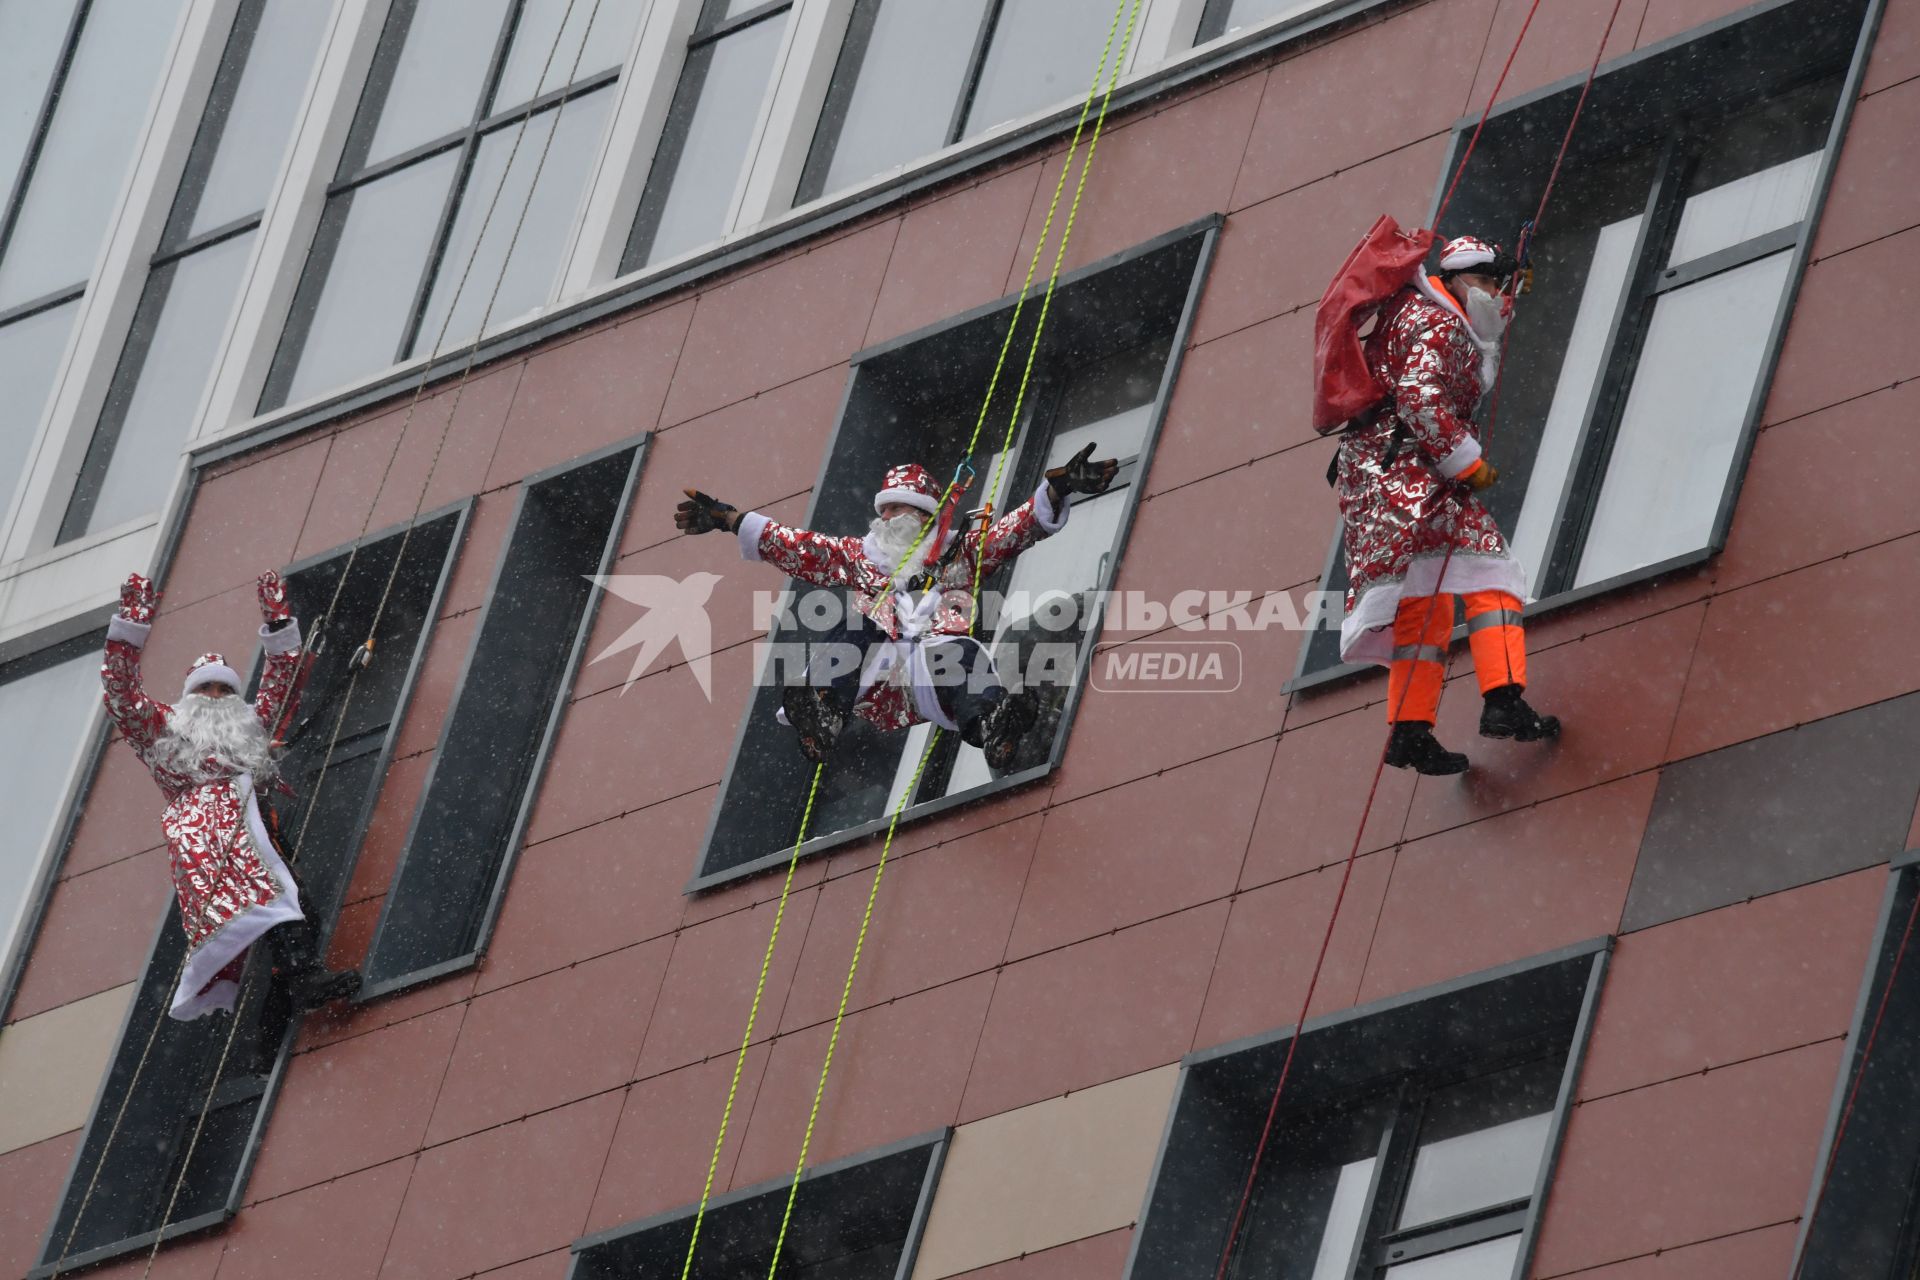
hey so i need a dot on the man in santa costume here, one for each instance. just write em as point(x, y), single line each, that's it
point(1407, 482)
point(905, 654)
point(210, 753)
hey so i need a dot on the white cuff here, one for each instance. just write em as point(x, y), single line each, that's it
point(1044, 514)
point(127, 630)
point(1465, 454)
point(285, 640)
point(752, 525)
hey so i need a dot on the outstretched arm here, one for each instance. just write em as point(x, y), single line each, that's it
point(140, 719)
point(279, 693)
point(1044, 513)
point(817, 558)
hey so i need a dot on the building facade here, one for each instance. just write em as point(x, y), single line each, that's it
point(436, 306)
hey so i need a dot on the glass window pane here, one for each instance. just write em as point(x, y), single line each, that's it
point(1043, 53)
point(528, 281)
point(1231, 15)
point(714, 112)
point(1737, 211)
point(897, 101)
point(382, 235)
point(1683, 419)
point(35, 30)
point(533, 42)
point(437, 82)
point(1481, 1143)
point(77, 180)
point(30, 351)
point(1572, 394)
point(1489, 1260)
point(258, 123)
point(43, 717)
point(170, 356)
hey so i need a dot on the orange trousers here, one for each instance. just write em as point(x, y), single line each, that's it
point(1421, 626)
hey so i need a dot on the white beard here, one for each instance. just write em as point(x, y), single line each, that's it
point(1486, 316)
point(225, 729)
point(893, 538)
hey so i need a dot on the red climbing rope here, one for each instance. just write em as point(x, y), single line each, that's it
point(1853, 1090)
point(1492, 98)
point(1373, 789)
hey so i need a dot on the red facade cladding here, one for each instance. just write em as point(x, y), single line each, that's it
point(1165, 889)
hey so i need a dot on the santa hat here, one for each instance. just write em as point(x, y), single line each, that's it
point(210, 668)
point(909, 484)
point(1463, 253)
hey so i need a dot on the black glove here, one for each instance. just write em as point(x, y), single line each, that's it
point(701, 514)
point(1082, 475)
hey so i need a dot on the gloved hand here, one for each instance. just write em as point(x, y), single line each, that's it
point(1481, 477)
point(138, 600)
point(1080, 474)
point(702, 514)
point(273, 600)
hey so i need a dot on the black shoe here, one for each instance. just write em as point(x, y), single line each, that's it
point(815, 717)
point(1507, 715)
point(315, 987)
point(1413, 746)
point(999, 730)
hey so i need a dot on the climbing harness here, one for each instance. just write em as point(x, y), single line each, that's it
point(362, 658)
point(1111, 76)
point(1373, 789)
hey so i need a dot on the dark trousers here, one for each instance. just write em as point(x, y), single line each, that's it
point(965, 680)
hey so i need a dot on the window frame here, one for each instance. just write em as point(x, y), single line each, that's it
point(834, 107)
point(683, 103)
point(233, 1089)
point(1206, 231)
point(30, 162)
point(935, 1143)
point(1648, 279)
point(1809, 1252)
point(316, 262)
point(176, 244)
point(549, 732)
point(65, 816)
point(1239, 1073)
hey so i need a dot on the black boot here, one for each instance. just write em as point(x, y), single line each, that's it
point(1413, 746)
point(309, 983)
point(816, 715)
point(998, 729)
point(1507, 715)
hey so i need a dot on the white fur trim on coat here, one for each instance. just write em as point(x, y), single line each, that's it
point(752, 525)
point(285, 640)
point(197, 993)
point(128, 631)
point(1367, 633)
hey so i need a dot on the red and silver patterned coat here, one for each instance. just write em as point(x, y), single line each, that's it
point(827, 560)
point(1399, 515)
point(230, 883)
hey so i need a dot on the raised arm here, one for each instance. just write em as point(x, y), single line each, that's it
point(279, 694)
point(1043, 514)
point(140, 719)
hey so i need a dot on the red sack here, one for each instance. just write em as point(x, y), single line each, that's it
point(1379, 267)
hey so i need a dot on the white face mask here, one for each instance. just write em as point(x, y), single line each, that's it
point(1488, 313)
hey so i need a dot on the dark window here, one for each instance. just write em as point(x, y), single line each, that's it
point(197, 269)
point(444, 102)
point(68, 129)
point(1664, 272)
point(1415, 1140)
point(703, 149)
point(493, 749)
point(916, 75)
point(1863, 1210)
point(1103, 374)
point(856, 1219)
point(323, 824)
